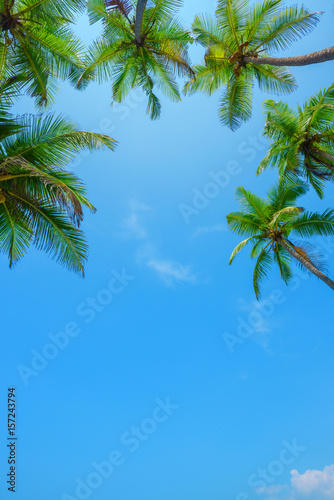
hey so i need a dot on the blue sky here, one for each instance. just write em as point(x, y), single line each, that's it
point(130, 383)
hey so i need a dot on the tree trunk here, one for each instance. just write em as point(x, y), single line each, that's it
point(324, 154)
point(312, 58)
point(311, 267)
point(141, 6)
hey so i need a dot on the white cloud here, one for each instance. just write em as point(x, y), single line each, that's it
point(312, 485)
point(207, 229)
point(314, 482)
point(132, 224)
point(172, 272)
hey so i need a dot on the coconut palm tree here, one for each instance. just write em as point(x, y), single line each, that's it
point(269, 224)
point(36, 40)
point(302, 141)
point(235, 42)
point(138, 48)
point(40, 201)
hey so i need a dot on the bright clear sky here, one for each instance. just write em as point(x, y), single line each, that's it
point(158, 338)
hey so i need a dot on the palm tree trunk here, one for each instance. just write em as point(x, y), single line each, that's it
point(141, 6)
point(324, 154)
point(312, 58)
point(308, 264)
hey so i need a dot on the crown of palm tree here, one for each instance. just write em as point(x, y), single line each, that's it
point(40, 202)
point(128, 61)
point(35, 40)
point(302, 141)
point(269, 224)
point(238, 32)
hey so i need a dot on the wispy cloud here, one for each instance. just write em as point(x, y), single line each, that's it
point(208, 229)
point(172, 272)
point(275, 491)
point(259, 317)
point(169, 271)
point(132, 225)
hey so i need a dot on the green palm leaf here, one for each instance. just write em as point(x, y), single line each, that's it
point(236, 103)
point(240, 35)
point(283, 261)
point(240, 246)
point(269, 224)
point(302, 140)
point(311, 224)
point(261, 269)
point(36, 39)
point(288, 26)
point(40, 201)
point(153, 61)
point(15, 234)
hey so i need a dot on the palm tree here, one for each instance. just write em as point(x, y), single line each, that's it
point(302, 141)
point(35, 40)
point(144, 51)
point(235, 42)
point(269, 224)
point(41, 202)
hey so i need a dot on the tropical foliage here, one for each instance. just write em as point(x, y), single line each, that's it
point(302, 141)
point(40, 201)
point(269, 224)
point(8, 91)
point(36, 40)
point(238, 32)
point(152, 60)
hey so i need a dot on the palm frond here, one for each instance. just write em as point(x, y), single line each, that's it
point(275, 79)
point(281, 120)
point(208, 79)
point(54, 234)
point(241, 245)
point(236, 103)
point(243, 223)
point(283, 260)
point(284, 215)
point(252, 204)
point(259, 17)
point(285, 193)
point(162, 11)
point(313, 223)
point(317, 113)
point(231, 15)
point(15, 233)
point(206, 30)
point(288, 26)
point(97, 10)
point(123, 6)
point(261, 270)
